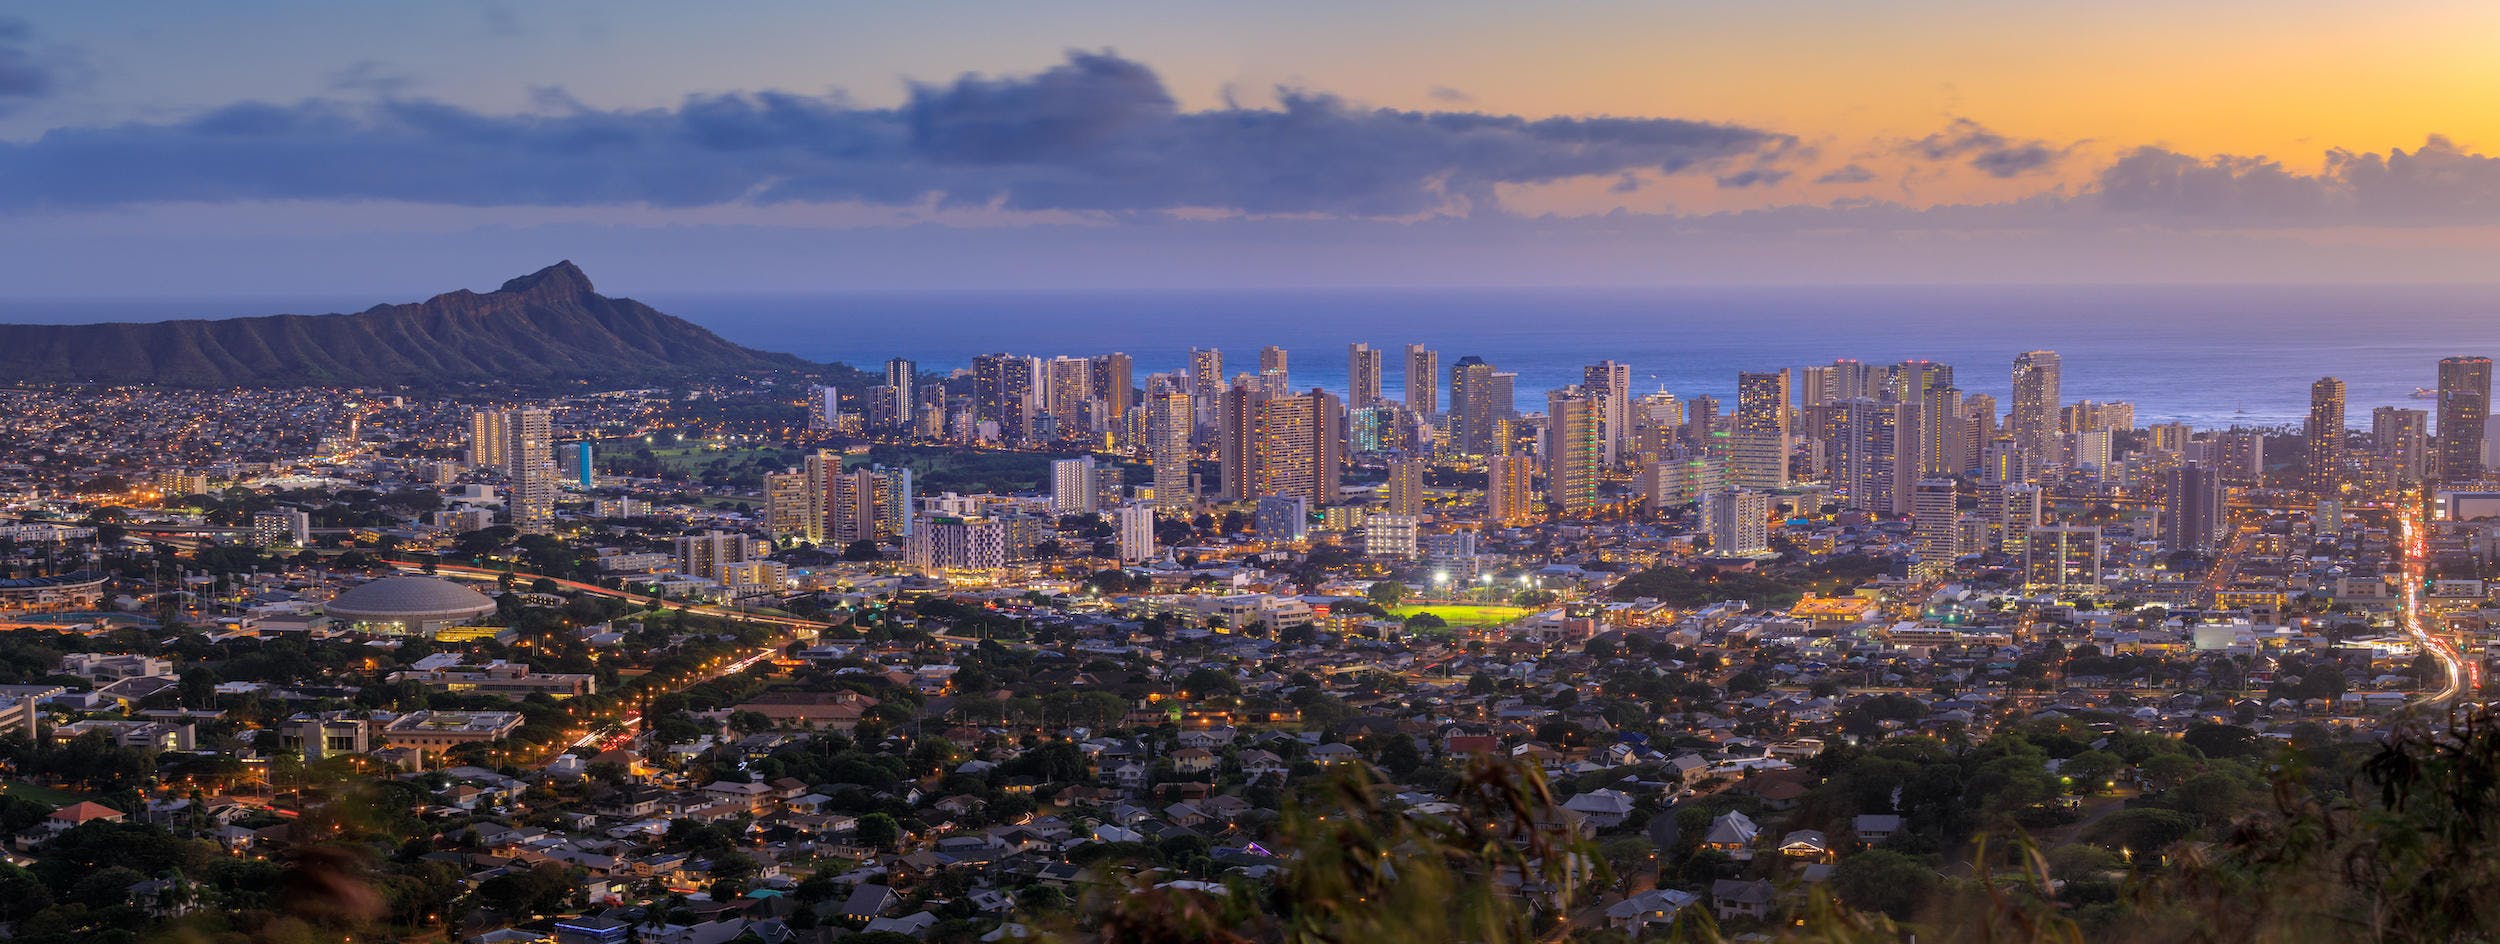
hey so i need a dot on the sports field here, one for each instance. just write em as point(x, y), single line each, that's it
point(1465, 614)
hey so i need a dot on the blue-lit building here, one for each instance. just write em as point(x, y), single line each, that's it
point(592, 929)
point(577, 462)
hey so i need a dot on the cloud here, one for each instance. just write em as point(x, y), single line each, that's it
point(1444, 93)
point(26, 72)
point(371, 77)
point(2440, 183)
point(1987, 151)
point(1850, 174)
point(1096, 133)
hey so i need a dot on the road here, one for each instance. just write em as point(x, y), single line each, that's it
point(2459, 674)
point(523, 579)
point(621, 731)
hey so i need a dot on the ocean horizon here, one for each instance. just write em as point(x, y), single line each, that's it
point(2211, 355)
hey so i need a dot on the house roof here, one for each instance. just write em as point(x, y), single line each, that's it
point(85, 811)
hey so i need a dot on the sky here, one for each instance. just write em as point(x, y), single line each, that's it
point(300, 147)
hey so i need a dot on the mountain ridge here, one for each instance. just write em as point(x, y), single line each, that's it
point(547, 327)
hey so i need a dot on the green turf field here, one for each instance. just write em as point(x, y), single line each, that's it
point(1465, 614)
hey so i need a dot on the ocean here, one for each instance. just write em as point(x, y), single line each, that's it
point(2207, 355)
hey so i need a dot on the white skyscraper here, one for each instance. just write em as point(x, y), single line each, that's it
point(530, 469)
point(1072, 490)
point(1936, 516)
point(1739, 522)
point(1134, 525)
point(824, 408)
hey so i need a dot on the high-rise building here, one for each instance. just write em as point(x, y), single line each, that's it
point(1911, 381)
point(1875, 458)
point(886, 408)
point(1282, 518)
point(1943, 431)
point(1272, 372)
point(949, 542)
point(703, 555)
point(487, 438)
point(1072, 486)
point(2323, 437)
point(1657, 419)
point(854, 503)
point(1068, 393)
point(1739, 522)
point(1362, 376)
point(2064, 559)
point(1473, 408)
point(2400, 443)
point(2243, 454)
point(786, 506)
point(2035, 417)
point(1508, 497)
point(819, 468)
point(1701, 418)
point(1237, 442)
point(2193, 514)
point(2464, 405)
point(1168, 424)
point(1575, 451)
point(1206, 383)
point(904, 376)
point(824, 409)
point(1394, 537)
point(1112, 389)
point(1133, 524)
point(2171, 438)
point(1007, 390)
point(1406, 486)
point(1756, 458)
point(275, 527)
point(1297, 449)
point(1423, 381)
point(1936, 523)
point(1762, 401)
point(530, 469)
point(580, 463)
point(2088, 449)
point(1610, 384)
point(2020, 508)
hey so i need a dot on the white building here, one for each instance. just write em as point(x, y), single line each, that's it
point(1072, 490)
point(1392, 536)
point(1739, 522)
point(706, 555)
point(282, 526)
point(1134, 524)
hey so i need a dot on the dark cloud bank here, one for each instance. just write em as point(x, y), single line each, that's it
point(1097, 133)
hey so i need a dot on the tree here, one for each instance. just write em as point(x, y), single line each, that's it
point(1386, 592)
point(2091, 770)
point(2221, 740)
point(2142, 830)
point(1884, 880)
point(879, 831)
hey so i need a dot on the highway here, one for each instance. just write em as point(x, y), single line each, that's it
point(621, 732)
point(2460, 673)
point(524, 579)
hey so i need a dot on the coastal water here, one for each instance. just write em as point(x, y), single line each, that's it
point(2210, 355)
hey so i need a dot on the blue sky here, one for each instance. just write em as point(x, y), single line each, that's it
point(166, 148)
